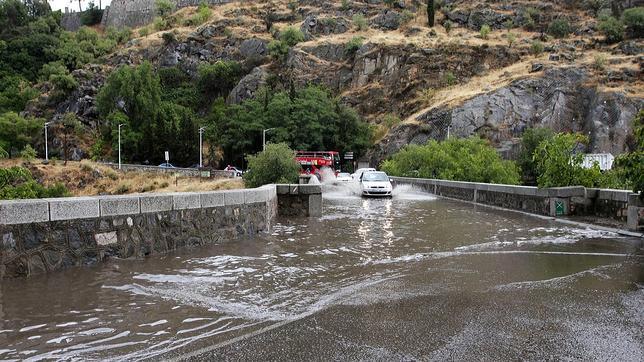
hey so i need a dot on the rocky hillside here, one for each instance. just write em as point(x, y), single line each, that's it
point(413, 82)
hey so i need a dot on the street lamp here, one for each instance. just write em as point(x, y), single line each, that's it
point(120, 125)
point(201, 130)
point(264, 138)
point(448, 129)
point(46, 146)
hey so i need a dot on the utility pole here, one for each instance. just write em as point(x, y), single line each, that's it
point(201, 130)
point(120, 125)
point(264, 138)
point(448, 128)
point(46, 146)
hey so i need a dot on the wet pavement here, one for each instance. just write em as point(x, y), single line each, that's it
point(408, 278)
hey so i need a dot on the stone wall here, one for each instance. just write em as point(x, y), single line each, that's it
point(71, 21)
point(619, 205)
point(191, 172)
point(45, 235)
point(299, 200)
point(135, 13)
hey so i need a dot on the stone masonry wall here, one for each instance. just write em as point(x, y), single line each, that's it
point(40, 236)
point(135, 13)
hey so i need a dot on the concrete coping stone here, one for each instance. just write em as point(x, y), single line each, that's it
point(186, 200)
point(634, 200)
point(252, 196)
point(310, 189)
point(119, 205)
point(23, 211)
point(283, 189)
point(156, 203)
point(233, 197)
point(614, 195)
point(73, 208)
point(211, 199)
point(569, 191)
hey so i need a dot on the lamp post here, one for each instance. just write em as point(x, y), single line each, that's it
point(46, 146)
point(264, 138)
point(201, 130)
point(120, 125)
point(448, 129)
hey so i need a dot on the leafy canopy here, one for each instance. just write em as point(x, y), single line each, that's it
point(275, 165)
point(466, 159)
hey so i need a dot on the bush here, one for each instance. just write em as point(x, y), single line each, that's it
point(202, 15)
point(536, 48)
point(529, 143)
point(164, 7)
point(353, 45)
point(119, 36)
point(448, 26)
point(28, 153)
point(595, 5)
point(633, 18)
point(275, 165)
point(612, 29)
point(360, 22)
point(558, 164)
point(600, 61)
point(217, 80)
point(529, 16)
point(345, 5)
point(144, 31)
point(18, 183)
point(291, 36)
point(406, 16)
point(559, 28)
point(466, 159)
point(426, 96)
point(512, 38)
point(632, 163)
point(169, 38)
point(92, 15)
point(450, 79)
point(161, 24)
point(278, 49)
point(485, 31)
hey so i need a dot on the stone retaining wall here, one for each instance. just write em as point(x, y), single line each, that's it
point(51, 234)
point(619, 205)
point(135, 13)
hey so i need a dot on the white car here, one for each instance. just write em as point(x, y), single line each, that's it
point(358, 174)
point(375, 183)
point(344, 177)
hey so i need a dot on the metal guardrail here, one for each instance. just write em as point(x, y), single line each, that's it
point(192, 172)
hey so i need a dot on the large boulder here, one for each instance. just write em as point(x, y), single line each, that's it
point(253, 48)
point(387, 20)
point(248, 86)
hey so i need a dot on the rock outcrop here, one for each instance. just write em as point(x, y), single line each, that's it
point(560, 99)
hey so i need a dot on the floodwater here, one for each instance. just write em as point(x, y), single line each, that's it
point(408, 278)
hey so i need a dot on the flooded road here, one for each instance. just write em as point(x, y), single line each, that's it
point(408, 278)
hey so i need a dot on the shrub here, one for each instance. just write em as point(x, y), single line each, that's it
point(529, 143)
point(600, 61)
point(119, 36)
point(345, 5)
point(633, 18)
point(448, 26)
point(28, 153)
point(218, 79)
point(406, 16)
point(202, 15)
point(426, 96)
point(612, 29)
point(466, 159)
point(144, 31)
point(291, 36)
point(353, 45)
point(632, 163)
point(595, 5)
point(3, 153)
point(558, 164)
point(164, 7)
point(512, 38)
point(450, 79)
point(529, 16)
point(160, 24)
point(276, 164)
point(18, 183)
point(485, 31)
point(508, 24)
point(360, 22)
point(536, 48)
point(278, 49)
point(559, 28)
point(92, 15)
point(169, 38)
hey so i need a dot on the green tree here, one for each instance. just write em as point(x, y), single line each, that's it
point(15, 92)
point(559, 164)
point(632, 163)
point(633, 18)
point(467, 159)
point(559, 28)
point(16, 131)
point(529, 143)
point(218, 79)
point(612, 29)
point(69, 127)
point(275, 165)
point(18, 183)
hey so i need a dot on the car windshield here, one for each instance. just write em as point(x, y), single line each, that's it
point(375, 176)
point(343, 174)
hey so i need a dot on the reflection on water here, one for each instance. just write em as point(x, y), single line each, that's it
point(136, 309)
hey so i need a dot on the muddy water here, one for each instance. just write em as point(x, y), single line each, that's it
point(362, 252)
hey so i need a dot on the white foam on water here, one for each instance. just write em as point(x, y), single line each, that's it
point(31, 328)
point(154, 324)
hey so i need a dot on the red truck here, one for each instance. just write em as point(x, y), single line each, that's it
point(312, 162)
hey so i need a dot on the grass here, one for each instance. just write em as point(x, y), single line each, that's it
point(88, 178)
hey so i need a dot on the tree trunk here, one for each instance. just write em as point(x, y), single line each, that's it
point(79, 6)
point(430, 13)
